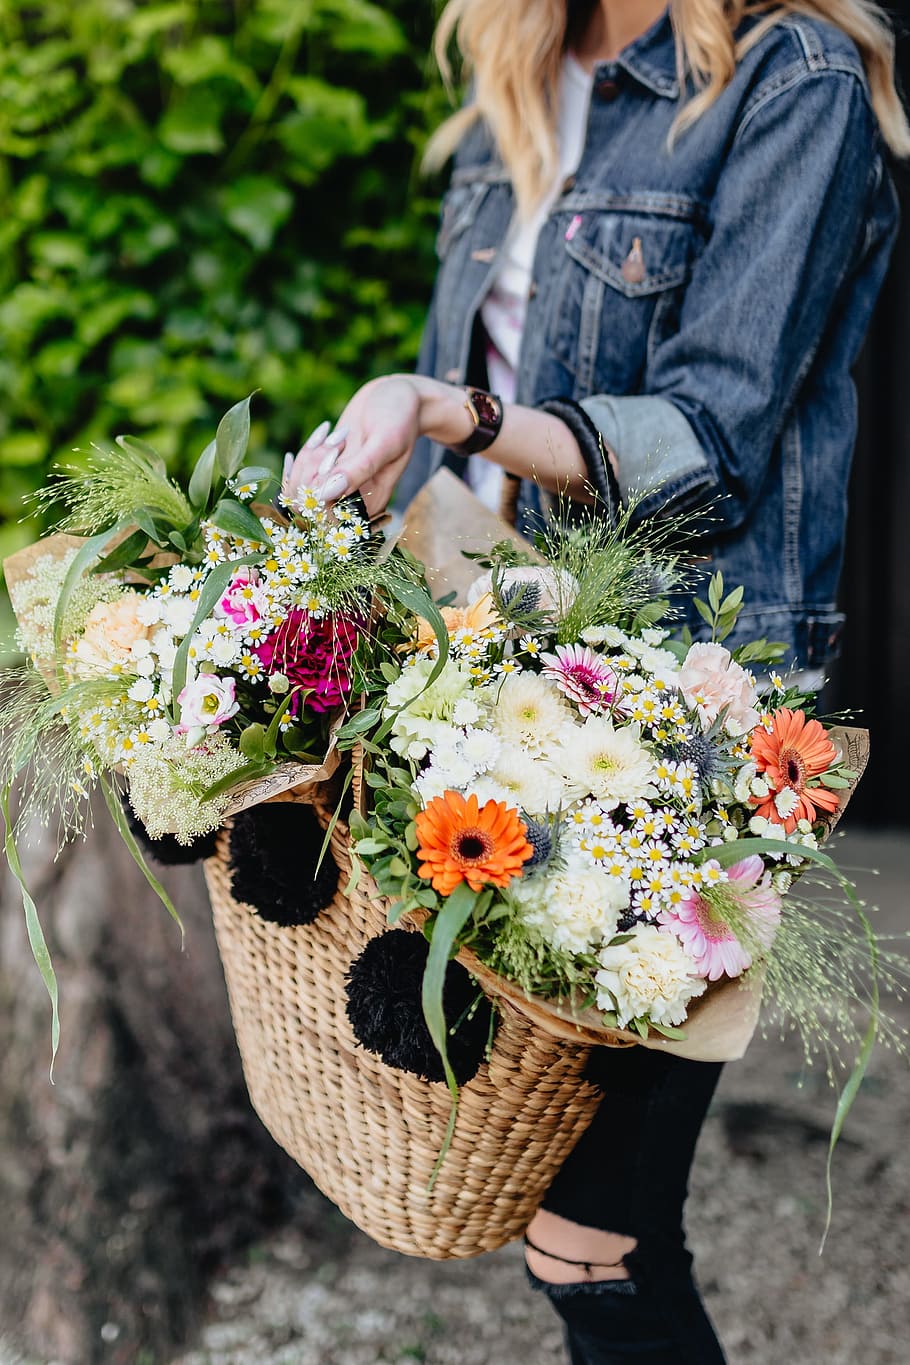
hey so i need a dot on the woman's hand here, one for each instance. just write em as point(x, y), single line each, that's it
point(376, 433)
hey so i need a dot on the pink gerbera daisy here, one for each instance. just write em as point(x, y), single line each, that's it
point(704, 920)
point(582, 676)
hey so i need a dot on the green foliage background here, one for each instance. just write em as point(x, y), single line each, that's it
point(199, 198)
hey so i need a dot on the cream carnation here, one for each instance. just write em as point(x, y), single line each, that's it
point(111, 630)
point(575, 907)
point(712, 682)
point(651, 976)
point(422, 714)
point(607, 762)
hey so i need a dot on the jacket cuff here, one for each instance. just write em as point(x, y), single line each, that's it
point(655, 445)
point(593, 451)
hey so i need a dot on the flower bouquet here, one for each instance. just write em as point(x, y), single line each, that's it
point(610, 826)
point(193, 644)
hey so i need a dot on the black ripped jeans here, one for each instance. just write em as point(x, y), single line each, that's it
point(629, 1174)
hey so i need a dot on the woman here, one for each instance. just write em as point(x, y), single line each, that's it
point(661, 246)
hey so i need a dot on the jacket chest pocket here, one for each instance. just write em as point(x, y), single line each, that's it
point(616, 294)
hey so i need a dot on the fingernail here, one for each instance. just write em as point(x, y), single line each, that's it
point(288, 466)
point(317, 437)
point(327, 463)
point(338, 435)
point(333, 487)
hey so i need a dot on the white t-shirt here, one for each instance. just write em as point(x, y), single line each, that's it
point(504, 309)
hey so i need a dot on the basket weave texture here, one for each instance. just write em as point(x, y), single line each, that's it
point(367, 1134)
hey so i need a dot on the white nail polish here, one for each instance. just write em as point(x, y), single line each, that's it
point(334, 487)
point(317, 437)
point(287, 467)
point(338, 436)
point(327, 463)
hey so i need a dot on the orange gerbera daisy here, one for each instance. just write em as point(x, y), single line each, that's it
point(480, 615)
point(460, 842)
point(787, 756)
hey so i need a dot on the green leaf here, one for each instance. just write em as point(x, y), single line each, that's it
point(127, 552)
point(370, 847)
point(256, 206)
point(232, 438)
point(192, 124)
point(237, 520)
point(200, 485)
point(233, 779)
point(668, 1031)
point(715, 591)
point(359, 724)
point(252, 742)
point(273, 732)
point(704, 612)
point(36, 939)
point(454, 913)
point(126, 834)
point(177, 539)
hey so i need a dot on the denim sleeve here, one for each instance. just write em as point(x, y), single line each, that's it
point(788, 218)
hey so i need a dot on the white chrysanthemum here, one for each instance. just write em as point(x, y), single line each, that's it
point(526, 710)
point(529, 783)
point(575, 906)
point(650, 976)
point(742, 784)
point(607, 762)
point(425, 712)
point(480, 748)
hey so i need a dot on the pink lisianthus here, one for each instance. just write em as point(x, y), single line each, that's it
point(701, 919)
point(206, 701)
point(243, 602)
point(712, 681)
point(582, 676)
point(313, 654)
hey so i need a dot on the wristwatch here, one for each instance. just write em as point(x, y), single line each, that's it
point(486, 412)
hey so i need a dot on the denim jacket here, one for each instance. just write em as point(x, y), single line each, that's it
point(703, 305)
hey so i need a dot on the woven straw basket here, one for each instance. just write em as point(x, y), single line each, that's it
point(369, 1135)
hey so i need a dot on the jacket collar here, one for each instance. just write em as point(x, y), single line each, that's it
point(650, 60)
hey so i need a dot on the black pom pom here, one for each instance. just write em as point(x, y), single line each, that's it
point(274, 849)
point(166, 849)
point(383, 990)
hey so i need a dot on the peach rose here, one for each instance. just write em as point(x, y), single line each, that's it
point(712, 682)
point(111, 630)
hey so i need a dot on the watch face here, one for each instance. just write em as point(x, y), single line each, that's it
point(487, 408)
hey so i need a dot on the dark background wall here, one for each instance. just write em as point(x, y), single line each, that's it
point(873, 672)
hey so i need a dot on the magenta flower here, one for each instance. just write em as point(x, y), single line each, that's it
point(582, 676)
point(243, 602)
point(700, 920)
point(313, 654)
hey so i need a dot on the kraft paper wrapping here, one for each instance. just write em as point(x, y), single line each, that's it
point(445, 519)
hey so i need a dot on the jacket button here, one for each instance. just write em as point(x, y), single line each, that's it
point(606, 90)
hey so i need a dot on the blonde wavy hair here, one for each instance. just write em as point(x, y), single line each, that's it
point(514, 49)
